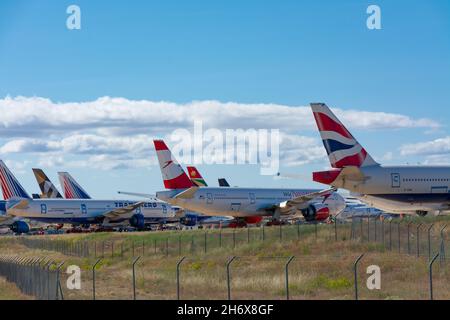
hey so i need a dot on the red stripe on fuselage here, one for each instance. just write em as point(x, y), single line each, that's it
point(325, 123)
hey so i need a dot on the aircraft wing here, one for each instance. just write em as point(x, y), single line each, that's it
point(187, 194)
point(117, 212)
point(136, 194)
point(308, 197)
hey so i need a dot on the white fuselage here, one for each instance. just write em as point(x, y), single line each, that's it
point(244, 202)
point(403, 189)
point(86, 211)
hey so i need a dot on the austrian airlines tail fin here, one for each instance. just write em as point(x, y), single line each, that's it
point(71, 188)
point(342, 148)
point(10, 186)
point(173, 174)
point(48, 189)
point(196, 177)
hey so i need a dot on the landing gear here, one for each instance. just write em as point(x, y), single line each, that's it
point(421, 213)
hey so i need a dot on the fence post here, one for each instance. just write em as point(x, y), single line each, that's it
point(179, 245)
point(399, 240)
point(390, 235)
point(409, 245)
point(382, 231)
point(375, 223)
point(178, 276)
point(167, 246)
point(355, 270)
point(134, 277)
point(281, 232)
point(298, 231)
point(93, 277)
point(263, 234)
point(205, 242)
point(143, 247)
point(228, 276)
point(48, 278)
point(429, 241)
point(430, 268)
point(442, 247)
point(248, 234)
point(417, 240)
point(368, 229)
point(220, 236)
point(234, 238)
point(286, 268)
point(58, 284)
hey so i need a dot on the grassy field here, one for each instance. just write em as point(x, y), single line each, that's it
point(322, 267)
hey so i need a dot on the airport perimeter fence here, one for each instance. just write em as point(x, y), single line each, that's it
point(35, 277)
point(188, 269)
point(416, 239)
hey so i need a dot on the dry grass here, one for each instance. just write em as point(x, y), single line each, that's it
point(322, 268)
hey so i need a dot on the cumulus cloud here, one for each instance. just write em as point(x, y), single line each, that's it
point(113, 133)
point(435, 147)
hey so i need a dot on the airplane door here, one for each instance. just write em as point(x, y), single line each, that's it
point(43, 208)
point(235, 206)
point(209, 198)
point(164, 209)
point(83, 209)
point(252, 198)
point(395, 177)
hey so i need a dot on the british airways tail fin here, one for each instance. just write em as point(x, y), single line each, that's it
point(173, 174)
point(71, 188)
point(10, 186)
point(48, 189)
point(342, 148)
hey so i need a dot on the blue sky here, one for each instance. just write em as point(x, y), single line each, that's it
point(247, 52)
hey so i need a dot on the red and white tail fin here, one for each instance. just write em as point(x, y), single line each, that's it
point(173, 174)
point(342, 148)
point(10, 186)
point(196, 177)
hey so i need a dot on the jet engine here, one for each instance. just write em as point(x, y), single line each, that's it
point(189, 220)
point(20, 227)
point(316, 212)
point(137, 221)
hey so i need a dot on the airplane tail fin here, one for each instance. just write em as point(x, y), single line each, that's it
point(71, 188)
point(48, 189)
point(173, 174)
point(342, 148)
point(223, 182)
point(196, 177)
point(11, 188)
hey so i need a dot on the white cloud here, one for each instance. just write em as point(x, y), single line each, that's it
point(435, 147)
point(112, 133)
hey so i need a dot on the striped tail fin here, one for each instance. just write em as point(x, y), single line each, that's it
point(173, 174)
point(196, 177)
point(71, 188)
point(48, 189)
point(342, 148)
point(10, 186)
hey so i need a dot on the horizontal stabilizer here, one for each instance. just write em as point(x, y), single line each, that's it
point(187, 194)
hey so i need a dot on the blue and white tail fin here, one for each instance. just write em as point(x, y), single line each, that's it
point(11, 188)
point(71, 188)
point(342, 148)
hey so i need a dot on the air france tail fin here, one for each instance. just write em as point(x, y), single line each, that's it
point(173, 174)
point(342, 148)
point(48, 189)
point(10, 186)
point(196, 177)
point(71, 188)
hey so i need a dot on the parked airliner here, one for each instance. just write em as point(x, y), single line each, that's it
point(75, 211)
point(395, 189)
point(249, 204)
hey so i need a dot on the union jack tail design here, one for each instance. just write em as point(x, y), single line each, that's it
point(48, 189)
point(196, 177)
point(71, 188)
point(173, 174)
point(10, 186)
point(342, 148)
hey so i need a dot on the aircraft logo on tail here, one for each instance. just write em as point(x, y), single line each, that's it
point(342, 148)
point(173, 174)
point(71, 189)
point(10, 186)
point(196, 177)
point(48, 189)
